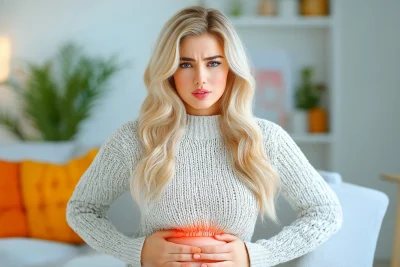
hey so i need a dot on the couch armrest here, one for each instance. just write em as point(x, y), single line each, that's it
point(331, 177)
point(355, 243)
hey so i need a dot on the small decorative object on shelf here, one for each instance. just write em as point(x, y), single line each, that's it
point(314, 7)
point(267, 8)
point(307, 99)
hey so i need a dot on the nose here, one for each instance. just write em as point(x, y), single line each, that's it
point(200, 76)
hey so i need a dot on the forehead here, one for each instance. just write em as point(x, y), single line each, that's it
point(204, 44)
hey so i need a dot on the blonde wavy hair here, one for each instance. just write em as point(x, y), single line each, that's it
point(162, 118)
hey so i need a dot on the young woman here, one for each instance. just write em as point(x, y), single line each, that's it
point(199, 164)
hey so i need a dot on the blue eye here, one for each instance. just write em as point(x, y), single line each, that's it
point(215, 63)
point(210, 64)
point(185, 65)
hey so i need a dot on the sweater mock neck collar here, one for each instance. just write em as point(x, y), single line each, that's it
point(202, 127)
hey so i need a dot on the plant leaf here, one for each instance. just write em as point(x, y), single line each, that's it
point(11, 124)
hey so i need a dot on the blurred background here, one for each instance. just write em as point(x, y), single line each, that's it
point(72, 73)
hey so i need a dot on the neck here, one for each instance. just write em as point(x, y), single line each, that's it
point(202, 127)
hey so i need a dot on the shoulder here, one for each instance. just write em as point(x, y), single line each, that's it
point(128, 129)
point(275, 137)
point(124, 138)
point(269, 129)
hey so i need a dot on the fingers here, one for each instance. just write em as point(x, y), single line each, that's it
point(226, 237)
point(182, 249)
point(212, 257)
point(216, 249)
point(182, 264)
point(200, 257)
point(170, 233)
point(180, 257)
point(220, 264)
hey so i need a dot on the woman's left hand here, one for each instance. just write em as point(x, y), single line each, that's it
point(232, 254)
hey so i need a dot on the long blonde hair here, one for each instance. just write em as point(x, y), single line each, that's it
point(162, 118)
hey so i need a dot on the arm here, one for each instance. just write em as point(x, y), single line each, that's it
point(104, 181)
point(318, 208)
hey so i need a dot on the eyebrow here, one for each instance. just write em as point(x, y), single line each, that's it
point(207, 58)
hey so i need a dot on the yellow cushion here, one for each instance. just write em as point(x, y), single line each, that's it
point(12, 215)
point(46, 189)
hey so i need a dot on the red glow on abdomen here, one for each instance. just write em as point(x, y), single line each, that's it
point(200, 230)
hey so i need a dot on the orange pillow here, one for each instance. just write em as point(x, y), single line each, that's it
point(46, 189)
point(12, 217)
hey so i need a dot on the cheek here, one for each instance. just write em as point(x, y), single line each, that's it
point(219, 79)
point(181, 79)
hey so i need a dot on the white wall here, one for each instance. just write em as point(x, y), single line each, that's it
point(370, 57)
point(370, 108)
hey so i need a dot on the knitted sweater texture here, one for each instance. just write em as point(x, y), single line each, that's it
point(205, 196)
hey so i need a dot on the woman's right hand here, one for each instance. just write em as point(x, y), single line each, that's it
point(157, 251)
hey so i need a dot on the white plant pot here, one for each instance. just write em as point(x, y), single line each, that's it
point(299, 122)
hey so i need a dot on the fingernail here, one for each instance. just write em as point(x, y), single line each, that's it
point(217, 236)
point(196, 256)
point(204, 265)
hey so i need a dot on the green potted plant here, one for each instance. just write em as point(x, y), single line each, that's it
point(58, 95)
point(309, 116)
point(53, 99)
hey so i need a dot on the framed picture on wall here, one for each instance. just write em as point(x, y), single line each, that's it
point(274, 90)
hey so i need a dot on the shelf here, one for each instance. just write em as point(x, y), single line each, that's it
point(312, 138)
point(307, 22)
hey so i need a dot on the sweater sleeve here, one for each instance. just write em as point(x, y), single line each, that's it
point(104, 181)
point(319, 213)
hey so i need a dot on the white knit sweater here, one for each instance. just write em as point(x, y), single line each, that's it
point(205, 196)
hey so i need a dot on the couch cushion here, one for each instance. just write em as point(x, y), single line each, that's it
point(46, 189)
point(23, 251)
point(12, 216)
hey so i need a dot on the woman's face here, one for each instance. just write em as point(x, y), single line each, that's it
point(202, 66)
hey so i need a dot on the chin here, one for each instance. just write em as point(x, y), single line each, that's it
point(200, 107)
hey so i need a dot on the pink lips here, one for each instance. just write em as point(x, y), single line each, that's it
point(201, 93)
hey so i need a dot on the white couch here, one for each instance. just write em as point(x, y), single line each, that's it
point(353, 246)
